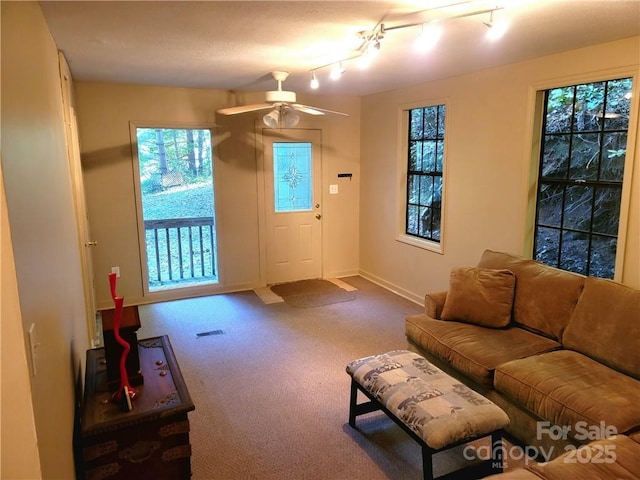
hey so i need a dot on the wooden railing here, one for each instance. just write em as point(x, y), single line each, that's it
point(180, 250)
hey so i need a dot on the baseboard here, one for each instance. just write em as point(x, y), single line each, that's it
point(182, 293)
point(341, 274)
point(415, 298)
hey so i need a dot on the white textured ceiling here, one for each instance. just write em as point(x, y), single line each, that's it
point(234, 45)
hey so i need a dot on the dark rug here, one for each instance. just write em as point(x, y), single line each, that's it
point(312, 293)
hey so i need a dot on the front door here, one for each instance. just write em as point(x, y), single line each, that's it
point(293, 166)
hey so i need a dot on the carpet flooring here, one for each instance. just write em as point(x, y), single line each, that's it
point(271, 391)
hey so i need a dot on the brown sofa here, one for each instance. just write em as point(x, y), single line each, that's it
point(615, 458)
point(563, 362)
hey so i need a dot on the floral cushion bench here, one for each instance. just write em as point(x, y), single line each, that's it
point(436, 410)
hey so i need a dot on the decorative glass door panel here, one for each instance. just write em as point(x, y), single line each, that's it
point(292, 176)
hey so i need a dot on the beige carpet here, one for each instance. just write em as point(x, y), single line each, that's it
point(271, 391)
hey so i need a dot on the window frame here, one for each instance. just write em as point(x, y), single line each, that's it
point(535, 126)
point(403, 174)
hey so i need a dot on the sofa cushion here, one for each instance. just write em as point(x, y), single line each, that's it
point(481, 296)
point(474, 351)
point(545, 296)
point(615, 458)
point(566, 387)
point(606, 325)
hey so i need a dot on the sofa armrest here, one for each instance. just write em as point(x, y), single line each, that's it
point(433, 303)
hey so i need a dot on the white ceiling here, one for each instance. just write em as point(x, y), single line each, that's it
point(234, 45)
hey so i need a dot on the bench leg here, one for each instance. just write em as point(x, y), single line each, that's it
point(427, 463)
point(497, 452)
point(353, 404)
point(356, 408)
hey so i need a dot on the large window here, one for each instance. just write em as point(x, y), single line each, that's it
point(582, 159)
point(424, 172)
point(175, 167)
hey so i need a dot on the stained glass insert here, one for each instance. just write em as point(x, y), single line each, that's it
point(292, 176)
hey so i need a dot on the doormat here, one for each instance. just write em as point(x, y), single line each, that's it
point(313, 293)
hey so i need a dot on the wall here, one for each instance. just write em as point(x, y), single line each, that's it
point(489, 139)
point(47, 265)
point(18, 441)
point(104, 114)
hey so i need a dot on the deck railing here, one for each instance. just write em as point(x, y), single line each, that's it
point(180, 250)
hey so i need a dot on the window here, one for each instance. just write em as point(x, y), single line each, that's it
point(175, 185)
point(424, 172)
point(582, 157)
point(292, 176)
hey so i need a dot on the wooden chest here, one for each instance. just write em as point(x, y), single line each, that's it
point(152, 440)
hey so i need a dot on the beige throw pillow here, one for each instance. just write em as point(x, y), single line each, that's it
point(480, 296)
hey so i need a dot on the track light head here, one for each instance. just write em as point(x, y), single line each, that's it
point(314, 81)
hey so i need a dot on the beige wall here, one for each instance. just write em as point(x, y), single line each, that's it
point(18, 442)
point(104, 114)
point(489, 138)
point(47, 264)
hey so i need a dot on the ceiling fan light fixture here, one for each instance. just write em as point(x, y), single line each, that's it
point(289, 117)
point(272, 119)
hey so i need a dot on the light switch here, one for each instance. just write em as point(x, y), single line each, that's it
point(333, 189)
point(33, 343)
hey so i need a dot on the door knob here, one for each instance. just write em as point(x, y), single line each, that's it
point(318, 216)
point(92, 244)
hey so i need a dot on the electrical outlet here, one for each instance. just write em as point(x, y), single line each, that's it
point(333, 189)
point(116, 270)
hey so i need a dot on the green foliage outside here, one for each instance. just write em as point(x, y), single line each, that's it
point(580, 183)
point(170, 157)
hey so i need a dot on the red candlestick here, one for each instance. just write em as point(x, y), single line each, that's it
point(126, 392)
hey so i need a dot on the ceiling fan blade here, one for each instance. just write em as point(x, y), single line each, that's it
point(316, 110)
point(244, 108)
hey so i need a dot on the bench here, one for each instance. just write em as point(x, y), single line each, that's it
point(435, 409)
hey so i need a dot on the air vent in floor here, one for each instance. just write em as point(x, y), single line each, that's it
point(211, 332)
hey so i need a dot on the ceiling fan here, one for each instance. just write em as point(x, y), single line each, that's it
point(282, 104)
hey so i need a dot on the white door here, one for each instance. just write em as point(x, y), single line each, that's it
point(293, 166)
point(82, 222)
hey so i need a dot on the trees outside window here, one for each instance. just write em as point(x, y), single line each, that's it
point(424, 172)
point(582, 157)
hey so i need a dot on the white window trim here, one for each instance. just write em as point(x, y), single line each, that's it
point(401, 177)
point(536, 101)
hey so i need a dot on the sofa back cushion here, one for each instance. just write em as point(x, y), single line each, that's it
point(606, 325)
point(545, 297)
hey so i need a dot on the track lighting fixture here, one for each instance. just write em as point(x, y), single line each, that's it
point(431, 31)
point(497, 28)
point(314, 80)
point(336, 71)
point(429, 36)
